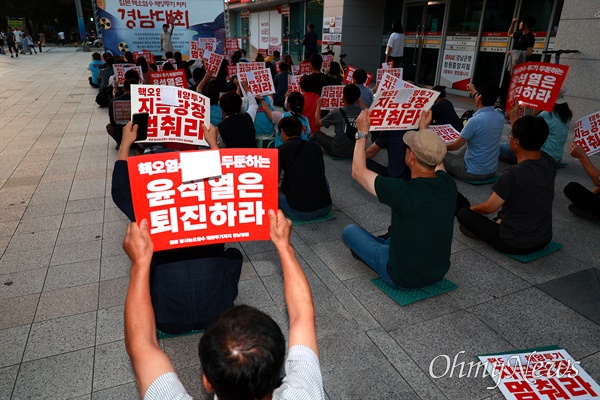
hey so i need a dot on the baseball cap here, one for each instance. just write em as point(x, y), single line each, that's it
point(428, 147)
point(561, 99)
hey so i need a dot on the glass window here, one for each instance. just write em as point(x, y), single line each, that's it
point(498, 15)
point(465, 16)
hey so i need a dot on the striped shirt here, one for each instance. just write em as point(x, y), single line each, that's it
point(303, 380)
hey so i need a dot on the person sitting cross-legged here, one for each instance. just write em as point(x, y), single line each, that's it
point(586, 203)
point(417, 253)
point(243, 352)
point(525, 193)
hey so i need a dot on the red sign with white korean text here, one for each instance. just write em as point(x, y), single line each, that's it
point(536, 85)
point(263, 52)
point(169, 78)
point(332, 97)
point(275, 47)
point(587, 133)
point(293, 84)
point(176, 114)
point(230, 208)
point(147, 54)
point(551, 374)
point(446, 132)
point(350, 72)
point(389, 82)
point(260, 82)
point(400, 109)
point(231, 71)
point(397, 72)
point(304, 68)
point(119, 71)
point(231, 45)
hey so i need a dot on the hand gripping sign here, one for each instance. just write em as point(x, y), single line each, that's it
point(229, 208)
point(260, 82)
point(350, 72)
point(446, 132)
point(400, 109)
point(536, 85)
point(332, 97)
point(169, 78)
point(587, 133)
point(176, 114)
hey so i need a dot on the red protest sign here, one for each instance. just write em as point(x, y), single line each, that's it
point(293, 84)
point(260, 82)
point(275, 47)
point(231, 45)
point(304, 68)
point(332, 97)
point(120, 69)
point(147, 54)
point(195, 48)
point(536, 85)
point(263, 52)
point(397, 72)
point(350, 72)
point(587, 133)
point(122, 111)
point(446, 132)
point(169, 78)
point(327, 62)
point(400, 109)
point(231, 71)
point(230, 208)
point(176, 114)
point(212, 61)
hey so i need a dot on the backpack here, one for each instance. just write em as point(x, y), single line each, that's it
point(104, 96)
point(350, 129)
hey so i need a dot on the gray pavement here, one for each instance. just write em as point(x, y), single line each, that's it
point(63, 274)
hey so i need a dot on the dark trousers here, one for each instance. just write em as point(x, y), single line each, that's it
point(489, 231)
point(397, 61)
point(325, 141)
point(377, 168)
point(583, 198)
point(11, 46)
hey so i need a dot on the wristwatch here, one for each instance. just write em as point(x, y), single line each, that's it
point(360, 135)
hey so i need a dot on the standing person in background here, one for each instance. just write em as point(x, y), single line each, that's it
point(61, 38)
point(395, 45)
point(166, 39)
point(10, 41)
point(310, 42)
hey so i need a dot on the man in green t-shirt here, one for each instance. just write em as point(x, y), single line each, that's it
point(417, 253)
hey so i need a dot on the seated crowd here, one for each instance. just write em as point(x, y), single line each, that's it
point(242, 349)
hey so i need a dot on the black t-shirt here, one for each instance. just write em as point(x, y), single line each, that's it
point(304, 183)
point(444, 113)
point(523, 41)
point(527, 189)
point(396, 148)
point(310, 43)
point(315, 82)
point(237, 131)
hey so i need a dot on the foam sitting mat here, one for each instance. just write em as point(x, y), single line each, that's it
point(408, 296)
point(296, 222)
point(525, 258)
point(482, 182)
point(164, 335)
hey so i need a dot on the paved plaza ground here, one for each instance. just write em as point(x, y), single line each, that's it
point(64, 275)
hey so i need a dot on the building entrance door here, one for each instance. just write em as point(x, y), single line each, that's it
point(422, 40)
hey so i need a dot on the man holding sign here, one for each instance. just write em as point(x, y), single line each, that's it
point(586, 203)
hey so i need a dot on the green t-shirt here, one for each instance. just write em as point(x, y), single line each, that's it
point(422, 226)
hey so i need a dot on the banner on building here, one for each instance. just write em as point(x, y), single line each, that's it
point(587, 133)
point(135, 25)
point(400, 109)
point(332, 30)
point(176, 114)
point(536, 85)
point(230, 206)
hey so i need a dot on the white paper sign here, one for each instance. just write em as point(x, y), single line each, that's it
point(196, 166)
point(587, 133)
point(400, 109)
point(446, 132)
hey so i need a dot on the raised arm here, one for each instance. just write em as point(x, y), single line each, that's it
point(148, 360)
point(298, 296)
point(208, 76)
point(360, 172)
point(511, 29)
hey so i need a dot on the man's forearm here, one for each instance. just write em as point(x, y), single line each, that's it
point(296, 288)
point(140, 323)
point(590, 169)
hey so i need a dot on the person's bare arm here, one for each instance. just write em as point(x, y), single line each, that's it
point(529, 51)
point(579, 153)
point(148, 360)
point(511, 29)
point(457, 144)
point(425, 121)
point(129, 136)
point(372, 150)
point(513, 114)
point(388, 51)
point(251, 100)
point(491, 205)
point(210, 135)
point(172, 22)
point(298, 296)
point(318, 121)
point(208, 76)
point(360, 172)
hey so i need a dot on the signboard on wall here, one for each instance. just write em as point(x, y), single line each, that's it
point(137, 25)
point(332, 30)
point(457, 61)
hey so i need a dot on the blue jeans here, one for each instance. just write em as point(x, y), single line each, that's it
point(301, 215)
point(374, 251)
point(507, 154)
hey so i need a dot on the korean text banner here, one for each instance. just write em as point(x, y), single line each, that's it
point(332, 97)
point(389, 82)
point(176, 114)
point(587, 133)
point(230, 208)
point(400, 109)
point(551, 374)
point(348, 76)
point(260, 82)
point(129, 25)
point(446, 132)
point(397, 72)
point(169, 78)
point(536, 85)
point(293, 84)
point(120, 69)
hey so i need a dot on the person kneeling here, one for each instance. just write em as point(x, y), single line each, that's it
point(417, 253)
point(304, 192)
point(525, 192)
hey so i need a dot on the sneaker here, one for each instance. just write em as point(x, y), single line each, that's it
point(468, 233)
point(11, 56)
point(582, 212)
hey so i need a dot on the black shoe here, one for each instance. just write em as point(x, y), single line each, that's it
point(467, 232)
point(583, 213)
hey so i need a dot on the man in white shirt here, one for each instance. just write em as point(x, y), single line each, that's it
point(166, 39)
point(243, 351)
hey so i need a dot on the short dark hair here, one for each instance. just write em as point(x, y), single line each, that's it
point(211, 90)
point(142, 62)
point(276, 54)
point(243, 52)
point(129, 57)
point(489, 92)
point(441, 89)
point(231, 102)
point(283, 66)
point(531, 132)
point(242, 354)
point(295, 102)
point(360, 76)
point(165, 25)
point(128, 83)
point(167, 66)
point(133, 74)
point(528, 20)
point(311, 26)
point(96, 56)
point(334, 68)
point(109, 61)
point(177, 56)
point(351, 93)
point(316, 61)
point(291, 126)
point(169, 54)
point(198, 74)
point(397, 27)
